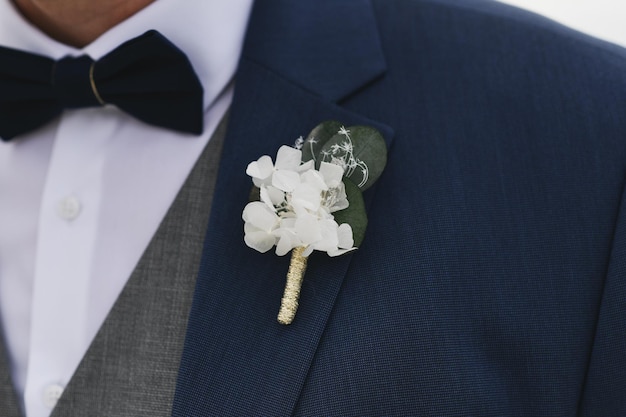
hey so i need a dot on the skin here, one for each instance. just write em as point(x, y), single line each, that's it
point(77, 22)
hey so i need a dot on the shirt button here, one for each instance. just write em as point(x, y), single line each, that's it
point(69, 208)
point(51, 395)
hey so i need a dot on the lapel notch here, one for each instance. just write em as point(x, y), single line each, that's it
point(328, 47)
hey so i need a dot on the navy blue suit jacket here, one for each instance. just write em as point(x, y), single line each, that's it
point(492, 279)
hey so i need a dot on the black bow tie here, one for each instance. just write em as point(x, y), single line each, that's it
point(147, 77)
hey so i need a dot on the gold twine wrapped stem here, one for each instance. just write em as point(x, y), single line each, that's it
point(295, 275)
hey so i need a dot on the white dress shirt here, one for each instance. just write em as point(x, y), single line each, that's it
point(81, 197)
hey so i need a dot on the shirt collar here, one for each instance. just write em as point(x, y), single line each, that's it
point(209, 32)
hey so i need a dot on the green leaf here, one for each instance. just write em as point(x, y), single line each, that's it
point(355, 214)
point(317, 138)
point(362, 153)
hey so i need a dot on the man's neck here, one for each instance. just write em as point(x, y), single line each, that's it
point(78, 22)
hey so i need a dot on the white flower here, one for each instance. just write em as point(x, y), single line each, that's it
point(260, 222)
point(263, 171)
point(260, 170)
point(296, 205)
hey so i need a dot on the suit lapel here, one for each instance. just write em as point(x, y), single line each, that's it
point(237, 359)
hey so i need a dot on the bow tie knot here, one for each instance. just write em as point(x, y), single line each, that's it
point(147, 77)
point(74, 84)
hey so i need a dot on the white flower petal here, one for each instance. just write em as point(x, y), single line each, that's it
point(248, 228)
point(329, 240)
point(286, 180)
point(308, 229)
point(306, 196)
point(287, 240)
point(265, 197)
point(315, 179)
point(272, 196)
point(288, 223)
point(337, 252)
point(261, 216)
point(260, 241)
point(298, 209)
point(276, 196)
point(332, 174)
point(260, 169)
point(345, 237)
point(310, 164)
point(288, 158)
point(283, 246)
point(339, 205)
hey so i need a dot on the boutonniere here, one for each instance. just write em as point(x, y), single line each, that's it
point(310, 199)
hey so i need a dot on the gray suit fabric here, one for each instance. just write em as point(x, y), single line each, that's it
point(8, 400)
point(130, 369)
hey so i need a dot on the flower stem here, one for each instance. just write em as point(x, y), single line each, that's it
point(295, 275)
